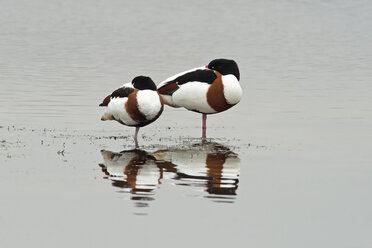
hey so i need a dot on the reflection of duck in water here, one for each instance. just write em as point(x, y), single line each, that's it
point(134, 169)
point(126, 169)
point(209, 164)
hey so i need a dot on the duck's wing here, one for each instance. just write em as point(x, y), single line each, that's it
point(122, 92)
point(200, 74)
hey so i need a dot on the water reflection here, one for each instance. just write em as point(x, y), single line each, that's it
point(208, 165)
point(134, 172)
point(208, 168)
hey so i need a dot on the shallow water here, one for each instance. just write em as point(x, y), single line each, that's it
point(289, 166)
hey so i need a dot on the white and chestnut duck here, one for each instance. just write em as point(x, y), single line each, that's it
point(207, 90)
point(135, 104)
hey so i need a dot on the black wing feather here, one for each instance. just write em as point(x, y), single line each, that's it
point(122, 92)
point(204, 76)
point(199, 75)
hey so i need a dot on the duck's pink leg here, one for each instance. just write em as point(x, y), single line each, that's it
point(204, 134)
point(135, 137)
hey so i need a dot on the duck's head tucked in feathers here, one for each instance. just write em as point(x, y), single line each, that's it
point(225, 67)
point(143, 83)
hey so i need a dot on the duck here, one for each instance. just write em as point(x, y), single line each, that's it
point(210, 89)
point(135, 104)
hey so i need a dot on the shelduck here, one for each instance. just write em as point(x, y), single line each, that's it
point(135, 104)
point(207, 90)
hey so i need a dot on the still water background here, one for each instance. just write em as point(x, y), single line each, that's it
point(300, 139)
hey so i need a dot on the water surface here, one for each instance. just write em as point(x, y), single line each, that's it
point(289, 166)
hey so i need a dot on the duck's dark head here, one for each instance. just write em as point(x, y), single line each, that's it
point(225, 67)
point(143, 83)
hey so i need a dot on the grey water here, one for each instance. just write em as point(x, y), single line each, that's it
point(289, 166)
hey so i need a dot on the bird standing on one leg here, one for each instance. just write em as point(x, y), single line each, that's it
point(134, 104)
point(207, 90)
